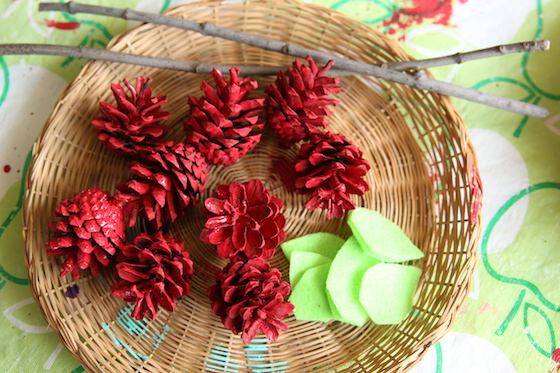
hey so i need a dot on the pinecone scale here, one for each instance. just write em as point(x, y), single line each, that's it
point(244, 221)
point(154, 270)
point(89, 232)
point(224, 124)
point(330, 168)
point(165, 183)
point(296, 102)
point(250, 298)
point(135, 125)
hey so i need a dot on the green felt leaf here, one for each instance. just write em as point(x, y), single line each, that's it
point(335, 314)
point(323, 243)
point(309, 296)
point(302, 261)
point(380, 237)
point(345, 279)
point(387, 291)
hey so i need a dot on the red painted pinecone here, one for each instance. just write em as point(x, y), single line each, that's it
point(224, 125)
point(90, 230)
point(250, 298)
point(244, 221)
point(295, 102)
point(331, 168)
point(154, 270)
point(166, 182)
point(134, 126)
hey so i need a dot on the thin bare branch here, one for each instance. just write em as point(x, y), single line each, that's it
point(210, 29)
point(457, 58)
point(132, 59)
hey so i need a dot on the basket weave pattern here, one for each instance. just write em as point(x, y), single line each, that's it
point(422, 164)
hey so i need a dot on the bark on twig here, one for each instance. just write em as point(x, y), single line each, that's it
point(133, 59)
point(457, 58)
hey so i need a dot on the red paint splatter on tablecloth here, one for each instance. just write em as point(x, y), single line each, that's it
point(556, 355)
point(283, 169)
point(556, 358)
point(415, 12)
point(7, 168)
point(62, 25)
point(475, 185)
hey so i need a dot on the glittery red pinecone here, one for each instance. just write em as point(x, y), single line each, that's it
point(135, 125)
point(166, 182)
point(295, 102)
point(154, 270)
point(330, 168)
point(244, 221)
point(250, 299)
point(90, 230)
point(224, 125)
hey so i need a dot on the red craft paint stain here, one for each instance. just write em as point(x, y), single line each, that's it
point(482, 309)
point(556, 355)
point(63, 25)
point(7, 168)
point(418, 11)
point(475, 185)
point(556, 358)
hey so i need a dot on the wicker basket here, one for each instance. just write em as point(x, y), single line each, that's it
point(423, 176)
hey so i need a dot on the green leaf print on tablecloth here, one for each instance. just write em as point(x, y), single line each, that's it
point(538, 333)
point(10, 231)
point(6, 82)
point(434, 41)
point(544, 215)
point(529, 71)
point(27, 343)
point(525, 254)
point(530, 87)
point(529, 273)
point(380, 10)
point(90, 39)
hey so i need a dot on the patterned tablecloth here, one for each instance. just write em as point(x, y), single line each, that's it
point(511, 320)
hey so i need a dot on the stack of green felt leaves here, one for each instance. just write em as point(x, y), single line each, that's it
point(356, 280)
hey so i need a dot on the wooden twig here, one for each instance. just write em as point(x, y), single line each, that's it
point(135, 59)
point(132, 59)
point(210, 29)
point(205, 68)
point(457, 58)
